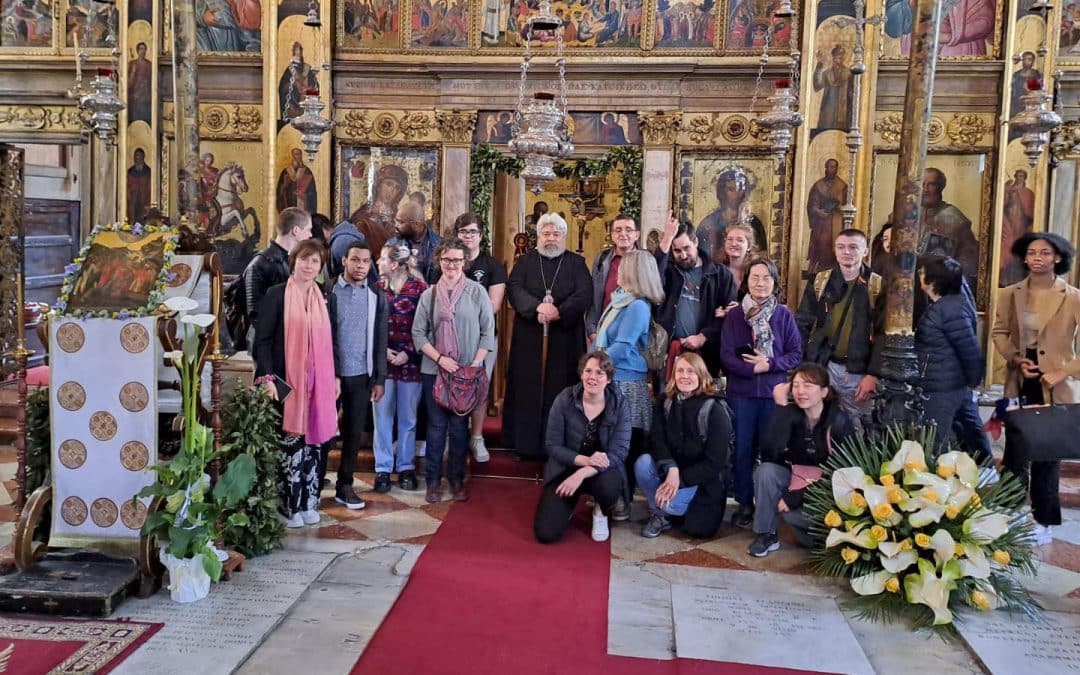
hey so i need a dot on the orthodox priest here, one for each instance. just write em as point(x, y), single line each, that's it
point(548, 287)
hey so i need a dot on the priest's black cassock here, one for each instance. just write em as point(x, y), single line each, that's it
point(527, 403)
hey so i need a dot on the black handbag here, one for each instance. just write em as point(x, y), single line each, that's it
point(1045, 433)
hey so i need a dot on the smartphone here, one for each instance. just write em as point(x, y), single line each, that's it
point(744, 350)
point(283, 389)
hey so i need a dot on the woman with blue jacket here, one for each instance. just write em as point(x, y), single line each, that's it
point(623, 332)
point(950, 361)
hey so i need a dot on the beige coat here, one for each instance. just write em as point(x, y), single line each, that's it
point(1056, 342)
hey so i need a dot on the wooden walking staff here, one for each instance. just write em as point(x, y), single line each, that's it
point(186, 105)
point(897, 400)
point(544, 342)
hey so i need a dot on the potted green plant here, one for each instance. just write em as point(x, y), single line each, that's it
point(191, 518)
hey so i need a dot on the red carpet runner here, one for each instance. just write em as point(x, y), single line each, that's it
point(486, 599)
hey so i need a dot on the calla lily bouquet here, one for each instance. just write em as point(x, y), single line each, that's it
point(192, 510)
point(920, 537)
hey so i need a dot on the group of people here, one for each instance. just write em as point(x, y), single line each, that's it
point(751, 402)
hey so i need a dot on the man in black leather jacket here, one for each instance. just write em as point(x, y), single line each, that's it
point(270, 266)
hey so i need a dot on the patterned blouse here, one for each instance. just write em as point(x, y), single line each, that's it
point(401, 308)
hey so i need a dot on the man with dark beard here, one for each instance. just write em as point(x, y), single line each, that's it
point(698, 293)
point(548, 287)
point(423, 241)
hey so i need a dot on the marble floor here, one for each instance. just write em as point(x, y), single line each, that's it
point(368, 555)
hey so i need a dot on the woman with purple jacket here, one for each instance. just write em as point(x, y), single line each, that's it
point(759, 344)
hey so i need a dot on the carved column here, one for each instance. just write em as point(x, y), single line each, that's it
point(456, 128)
point(896, 399)
point(659, 130)
point(186, 97)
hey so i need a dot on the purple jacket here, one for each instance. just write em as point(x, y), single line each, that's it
point(787, 353)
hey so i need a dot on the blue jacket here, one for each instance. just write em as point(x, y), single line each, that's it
point(947, 345)
point(627, 335)
point(787, 353)
point(566, 429)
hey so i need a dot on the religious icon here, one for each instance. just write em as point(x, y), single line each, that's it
point(26, 23)
point(442, 23)
point(140, 10)
point(717, 190)
point(603, 24)
point(138, 187)
point(827, 195)
point(833, 78)
point(93, 22)
point(140, 85)
point(1017, 220)
point(370, 23)
point(228, 25)
point(493, 128)
point(1020, 77)
point(296, 185)
point(379, 179)
point(120, 271)
point(967, 28)
point(297, 78)
point(685, 23)
point(751, 26)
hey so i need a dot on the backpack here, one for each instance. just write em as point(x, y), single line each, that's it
point(703, 418)
point(655, 351)
point(234, 311)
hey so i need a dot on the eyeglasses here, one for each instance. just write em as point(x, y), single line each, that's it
point(468, 233)
point(452, 262)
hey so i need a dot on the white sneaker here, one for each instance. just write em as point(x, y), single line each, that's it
point(600, 530)
point(293, 521)
point(480, 450)
point(310, 517)
point(421, 448)
point(1042, 534)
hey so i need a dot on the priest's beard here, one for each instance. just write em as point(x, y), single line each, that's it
point(551, 250)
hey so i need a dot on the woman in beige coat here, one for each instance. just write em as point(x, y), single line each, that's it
point(1035, 330)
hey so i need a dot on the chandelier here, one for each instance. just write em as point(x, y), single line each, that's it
point(311, 124)
point(539, 132)
point(783, 117)
point(1035, 121)
point(100, 103)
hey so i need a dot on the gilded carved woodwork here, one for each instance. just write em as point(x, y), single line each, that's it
point(1065, 140)
point(718, 129)
point(40, 118)
point(220, 122)
point(456, 126)
point(405, 126)
point(967, 129)
point(11, 247)
point(659, 128)
point(890, 125)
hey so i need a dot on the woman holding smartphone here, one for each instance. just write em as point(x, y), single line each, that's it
point(759, 344)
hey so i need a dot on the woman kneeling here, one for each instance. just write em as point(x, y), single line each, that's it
point(588, 436)
point(686, 474)
point(807, 422)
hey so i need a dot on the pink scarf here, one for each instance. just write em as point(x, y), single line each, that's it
point(311, 410)
point(445, 331)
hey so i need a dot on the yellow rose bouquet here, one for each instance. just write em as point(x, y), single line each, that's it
point(920, 537)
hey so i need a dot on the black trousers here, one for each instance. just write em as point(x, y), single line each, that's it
point(355, 406)
point(553, 513)
point(1043, 478)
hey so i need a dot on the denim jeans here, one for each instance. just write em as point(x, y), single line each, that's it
point(845, 384)
point(770, 482)
point(442, 424)
point(647, 472)
point(751, 418)
point(400, 399)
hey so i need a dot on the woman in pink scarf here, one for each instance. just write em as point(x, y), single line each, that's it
point(294, 345)
point(453, 327)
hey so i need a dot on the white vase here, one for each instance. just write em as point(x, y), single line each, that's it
point(188, 580)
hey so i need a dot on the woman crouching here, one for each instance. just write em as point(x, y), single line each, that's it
point(587, 440)
point(686, 473)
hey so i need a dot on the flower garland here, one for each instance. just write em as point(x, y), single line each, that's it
point(73, 270)
point(487, 162)
point(919, 537)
